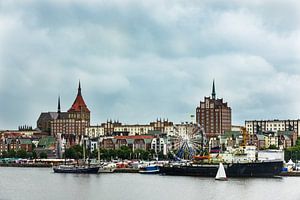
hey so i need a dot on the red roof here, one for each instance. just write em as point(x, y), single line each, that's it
point(79, 105)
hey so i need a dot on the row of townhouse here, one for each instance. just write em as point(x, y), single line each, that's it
point(257, 126)
point(263, 140)
point(111, 128)
point(158, 143)
point(15, 144)
point(27, 140)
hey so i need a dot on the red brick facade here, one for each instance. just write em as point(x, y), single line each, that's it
point(214, 115)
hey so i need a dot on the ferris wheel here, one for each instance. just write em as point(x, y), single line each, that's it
point(187, 141)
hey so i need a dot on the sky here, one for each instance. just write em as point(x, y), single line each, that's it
point(142, 60)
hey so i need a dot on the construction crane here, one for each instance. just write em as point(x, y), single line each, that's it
point(245, 136)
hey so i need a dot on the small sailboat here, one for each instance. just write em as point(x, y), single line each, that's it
point(221, 174)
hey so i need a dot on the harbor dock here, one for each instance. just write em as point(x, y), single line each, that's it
point(291, 173)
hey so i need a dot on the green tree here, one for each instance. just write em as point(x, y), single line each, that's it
point(75, 152)
point(94, 154)
point(298, 142)
point(111, 154)
point(123, 152)
point(43, 155)
point(272, 146)
point(29, 155)
point(21, 153)
point(142, 154)
point(71, 153)
point(107, 154)
point(161, 155)
point(11, 153)
point(292, 153)
point(4, 154)
point(79, 151)
point(34, 155)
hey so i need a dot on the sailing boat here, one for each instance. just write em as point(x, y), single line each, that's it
point(105, 167)
point(83, 169)
point(221, 175)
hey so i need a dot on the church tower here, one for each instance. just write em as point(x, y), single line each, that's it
point(79, 110)
point(214, 115)
point(213, 94)
point(58, 108)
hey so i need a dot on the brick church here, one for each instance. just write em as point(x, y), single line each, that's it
point(214, 115)
point(71, 124)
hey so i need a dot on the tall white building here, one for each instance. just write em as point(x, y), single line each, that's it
point(256, 126)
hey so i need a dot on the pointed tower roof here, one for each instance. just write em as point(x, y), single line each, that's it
point(58, 105)
point(79, 89)
point(213, 94)
point(79, 104)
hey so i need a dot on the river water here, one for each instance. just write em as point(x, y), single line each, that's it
point(43, 184)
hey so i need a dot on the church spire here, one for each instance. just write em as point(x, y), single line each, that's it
point(213, 94)
point(79, 89)
point(79, 104)
point(58, 105)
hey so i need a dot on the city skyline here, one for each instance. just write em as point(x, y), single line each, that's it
point(138, 61)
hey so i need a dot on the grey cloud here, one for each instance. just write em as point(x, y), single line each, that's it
point(141, 60)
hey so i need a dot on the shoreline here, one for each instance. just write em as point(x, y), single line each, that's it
point(32, 165)
point(117, 170)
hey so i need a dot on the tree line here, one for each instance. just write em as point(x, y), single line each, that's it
point(21, 153)
point(124, 152)
point(293, 152)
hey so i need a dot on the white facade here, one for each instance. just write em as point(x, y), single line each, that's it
point(159, 145)
point(93, 146)
point(134, 129)
point(94, 131)
point(171, 130)
point(272, 125)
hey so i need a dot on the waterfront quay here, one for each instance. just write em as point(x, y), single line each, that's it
point(136, 166)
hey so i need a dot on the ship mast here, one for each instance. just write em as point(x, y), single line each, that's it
point(99, 142)
point(83, 147)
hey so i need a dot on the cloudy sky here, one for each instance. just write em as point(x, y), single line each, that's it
point(140, 60)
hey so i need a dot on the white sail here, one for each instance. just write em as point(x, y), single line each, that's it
point(221, 174)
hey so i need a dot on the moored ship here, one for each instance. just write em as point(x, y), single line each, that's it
point(76, 169)
point(251, 169)
point(241, 162)
point(151, 169)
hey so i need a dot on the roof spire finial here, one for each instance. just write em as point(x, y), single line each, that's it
point(58, 108)
point(79, 89)
point(213, 94)
point(58, 104)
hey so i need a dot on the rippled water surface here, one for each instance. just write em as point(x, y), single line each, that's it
point(43, 184)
